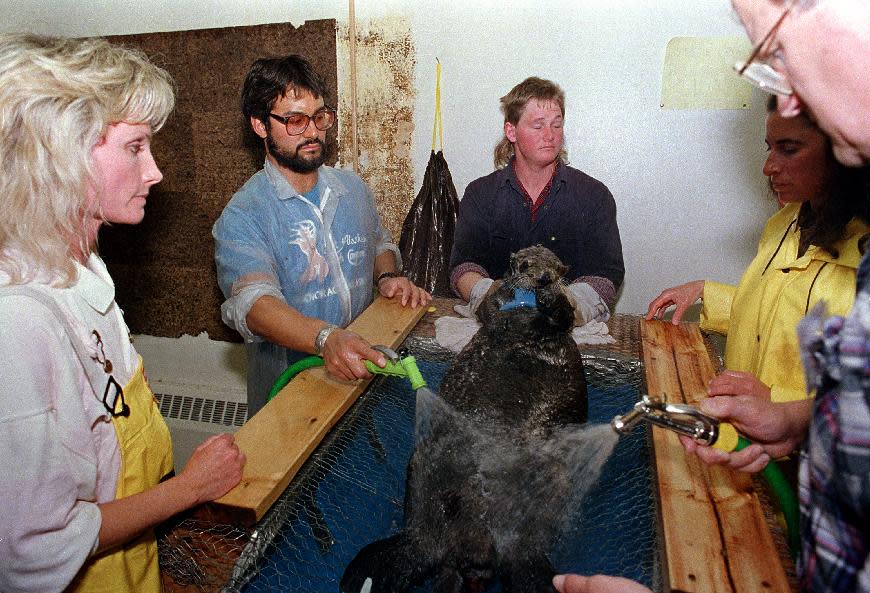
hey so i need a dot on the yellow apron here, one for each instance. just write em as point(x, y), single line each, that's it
point(146, 457)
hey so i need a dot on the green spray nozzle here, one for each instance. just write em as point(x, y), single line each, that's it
point(397, 366)
point(402, 367)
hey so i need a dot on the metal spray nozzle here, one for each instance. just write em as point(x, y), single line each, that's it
point(680, 418)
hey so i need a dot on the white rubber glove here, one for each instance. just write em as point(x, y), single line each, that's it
point(478, 293)
point(588, 305)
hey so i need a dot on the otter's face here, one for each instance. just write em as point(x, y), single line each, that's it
point(536, 267)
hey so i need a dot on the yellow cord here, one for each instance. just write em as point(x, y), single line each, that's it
point(437, 125)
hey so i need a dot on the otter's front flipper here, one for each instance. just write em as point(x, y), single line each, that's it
point(394, 565)
point(557, 311)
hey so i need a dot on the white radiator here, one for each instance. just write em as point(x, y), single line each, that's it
point(226, 415)
point(200, 387)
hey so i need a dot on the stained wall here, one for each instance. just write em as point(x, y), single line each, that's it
point(164, 268)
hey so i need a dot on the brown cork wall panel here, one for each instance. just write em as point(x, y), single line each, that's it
point(164, 267)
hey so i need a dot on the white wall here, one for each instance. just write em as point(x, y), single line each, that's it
point(690, 195)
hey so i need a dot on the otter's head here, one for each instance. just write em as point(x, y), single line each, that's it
point(535, 267)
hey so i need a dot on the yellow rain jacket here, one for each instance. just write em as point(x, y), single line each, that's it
point(760, 315)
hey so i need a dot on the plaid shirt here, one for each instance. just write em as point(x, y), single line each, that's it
point(835, 463)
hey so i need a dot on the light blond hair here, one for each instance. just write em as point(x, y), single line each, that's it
point(514, 103)
point(57, 98)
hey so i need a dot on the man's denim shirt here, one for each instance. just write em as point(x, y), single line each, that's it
point(316, 252)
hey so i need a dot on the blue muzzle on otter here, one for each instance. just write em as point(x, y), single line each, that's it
point(522, 298)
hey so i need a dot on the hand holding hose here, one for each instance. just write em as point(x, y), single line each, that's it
point(775, 429)
point(345, 353)
point(730, 382)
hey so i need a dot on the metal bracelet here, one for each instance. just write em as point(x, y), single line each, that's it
point(320, 340)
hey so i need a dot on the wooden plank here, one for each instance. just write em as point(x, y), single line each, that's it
point(716, 537)
point(693, 553)
point(738, 509)
point(281, 436)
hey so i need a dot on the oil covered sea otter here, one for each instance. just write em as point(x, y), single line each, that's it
point(502, 456)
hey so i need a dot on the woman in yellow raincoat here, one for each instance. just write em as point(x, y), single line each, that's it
point(808, 253)
point(85, 457)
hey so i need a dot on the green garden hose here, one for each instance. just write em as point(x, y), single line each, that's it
point(293, 370)
point(785, 496)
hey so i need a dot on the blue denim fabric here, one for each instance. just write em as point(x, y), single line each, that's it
point(317, 254)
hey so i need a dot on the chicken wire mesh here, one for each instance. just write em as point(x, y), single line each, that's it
point(350, 492)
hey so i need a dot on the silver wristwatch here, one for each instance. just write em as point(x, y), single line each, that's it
point(320, 340)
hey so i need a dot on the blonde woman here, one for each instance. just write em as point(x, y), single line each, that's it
point(85, 457)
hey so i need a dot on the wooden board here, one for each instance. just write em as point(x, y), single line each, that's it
point(715, 535)
point(281, 436)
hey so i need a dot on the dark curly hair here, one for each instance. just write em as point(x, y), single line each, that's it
point(269, 78)
point(847, 198)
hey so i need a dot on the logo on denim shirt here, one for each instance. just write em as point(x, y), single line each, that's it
point(354, 256)
point(304, 235)
point(330, 291)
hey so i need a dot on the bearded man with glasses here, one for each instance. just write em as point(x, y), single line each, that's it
point(300, 247)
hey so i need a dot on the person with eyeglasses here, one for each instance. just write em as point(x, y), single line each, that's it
point(300, 248)
point(86, 468)
point(810, 64)
point(818, 53)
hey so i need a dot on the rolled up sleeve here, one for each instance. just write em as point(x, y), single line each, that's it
point(246, 268)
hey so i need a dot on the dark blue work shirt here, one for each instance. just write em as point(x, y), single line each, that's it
point(577, 222)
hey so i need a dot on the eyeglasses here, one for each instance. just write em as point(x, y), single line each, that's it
point(296, 123)
point(759, 72)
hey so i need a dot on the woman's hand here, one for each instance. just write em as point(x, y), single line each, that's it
point(407, 291)
point(682, 296)
point(214, 468)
